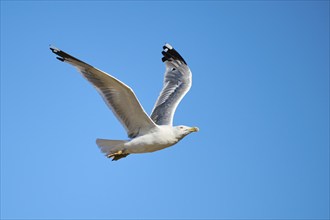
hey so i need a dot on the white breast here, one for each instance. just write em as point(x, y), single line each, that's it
point(161, 138)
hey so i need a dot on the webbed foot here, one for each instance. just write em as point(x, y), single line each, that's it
point(118, 155)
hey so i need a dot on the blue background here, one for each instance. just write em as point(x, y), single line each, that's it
point(260, 97)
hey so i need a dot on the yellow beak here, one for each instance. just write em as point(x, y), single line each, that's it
point(194, 129)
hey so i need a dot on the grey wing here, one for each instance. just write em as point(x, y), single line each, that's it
point(177, 82)
point(119, 97)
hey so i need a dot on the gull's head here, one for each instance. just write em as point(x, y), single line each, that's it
point(183, 130)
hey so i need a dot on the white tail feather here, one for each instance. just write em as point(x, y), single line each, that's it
point(110, 146)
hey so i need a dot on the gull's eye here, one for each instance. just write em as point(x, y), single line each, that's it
point(181, 127)
point(173, 69)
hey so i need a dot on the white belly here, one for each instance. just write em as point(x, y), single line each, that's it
point(151, 142)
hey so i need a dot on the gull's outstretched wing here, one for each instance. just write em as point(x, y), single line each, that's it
point(119, 97)
point(177, 83)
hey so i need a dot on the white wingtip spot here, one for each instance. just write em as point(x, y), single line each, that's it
point(168, 46)
point(54, 48)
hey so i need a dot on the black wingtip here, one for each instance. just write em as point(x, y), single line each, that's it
point(60, 59)
point(62, 56)
point(57, 52)
point(54, 49)
point(170, 53)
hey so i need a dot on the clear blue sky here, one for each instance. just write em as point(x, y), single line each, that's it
point(260, 97)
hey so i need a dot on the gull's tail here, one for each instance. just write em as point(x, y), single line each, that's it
point(112, 148)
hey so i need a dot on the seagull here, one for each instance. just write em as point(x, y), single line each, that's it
point(146, 133)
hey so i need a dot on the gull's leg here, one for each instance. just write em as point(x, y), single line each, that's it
point(118, 155)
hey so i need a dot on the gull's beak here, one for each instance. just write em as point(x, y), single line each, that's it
point(194, 129)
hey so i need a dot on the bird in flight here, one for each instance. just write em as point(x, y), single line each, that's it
point(146, 133)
